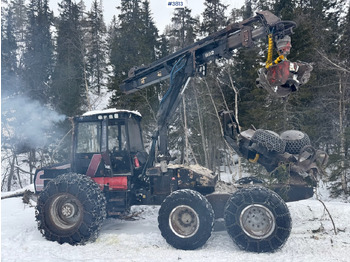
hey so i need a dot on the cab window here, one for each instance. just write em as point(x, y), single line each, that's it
point(116, 136)
point(135, 136)
point(89, 137)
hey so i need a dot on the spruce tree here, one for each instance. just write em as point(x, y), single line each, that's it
point(20, 21)
point(208, 91)
point(340, 66)
point(97, 48)
point(133, 43)
point(180, 34)
point(38, 56)
point(9, 70)
point(214, 17)
point(129, 47)
point(183, 29)
point(68, 92)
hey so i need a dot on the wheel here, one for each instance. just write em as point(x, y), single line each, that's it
point(269, 140)
point(295, 140)
point(257, 219)
point(186, 219)
point(71, 209)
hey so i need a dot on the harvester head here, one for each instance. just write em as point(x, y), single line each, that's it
point(282, 77)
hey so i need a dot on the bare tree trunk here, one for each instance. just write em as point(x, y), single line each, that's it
point(342, 117)
point(32, 161)
point(18, 174)
point(201, 128)
point(87, 88)
point(343, 71)
point(235, 90)
point(12, 172)
point(154, 115)
point(185, 129)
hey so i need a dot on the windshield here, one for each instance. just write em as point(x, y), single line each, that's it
point(89, 137)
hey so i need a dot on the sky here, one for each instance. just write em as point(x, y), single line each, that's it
point(161, 13)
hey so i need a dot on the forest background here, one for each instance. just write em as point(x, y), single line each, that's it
point(56, 67)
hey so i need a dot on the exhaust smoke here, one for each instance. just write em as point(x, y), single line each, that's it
point(27, 124)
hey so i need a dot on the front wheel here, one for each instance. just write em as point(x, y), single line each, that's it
point(186, 219)
point(71, 209)
point(257, 219)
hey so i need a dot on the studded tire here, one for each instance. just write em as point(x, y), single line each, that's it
point(186, 219)
point(295, 140)
point(270, 140)
point(257, 219)
point(71, 209)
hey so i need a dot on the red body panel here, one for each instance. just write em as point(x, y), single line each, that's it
point(94, 164)
point(114, 183)
point(278, 74)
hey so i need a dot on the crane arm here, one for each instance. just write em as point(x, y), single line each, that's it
point(218, 45)
point(280, 79)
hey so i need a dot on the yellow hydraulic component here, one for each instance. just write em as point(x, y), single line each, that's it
point(279, 59)
point(256, 158)
point(269, 52)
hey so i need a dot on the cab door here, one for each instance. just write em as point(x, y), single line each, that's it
point(87, 148)
point(118, 148)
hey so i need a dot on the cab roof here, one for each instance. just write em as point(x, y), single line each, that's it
point(111, 113)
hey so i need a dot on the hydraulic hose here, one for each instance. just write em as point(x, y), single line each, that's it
point(269, 52)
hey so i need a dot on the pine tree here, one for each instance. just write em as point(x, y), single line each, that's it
point(68, 92)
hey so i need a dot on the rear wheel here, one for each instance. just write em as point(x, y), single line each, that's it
point(257, 219)
point(71, 209)
point(186, 219)
point(295, 140)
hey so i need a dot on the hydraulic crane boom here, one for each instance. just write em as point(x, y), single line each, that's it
point(217, 45)
point(279, 77)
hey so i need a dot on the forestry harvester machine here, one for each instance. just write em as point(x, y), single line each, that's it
point(110, 170)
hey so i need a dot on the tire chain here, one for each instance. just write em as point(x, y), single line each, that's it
point(294, 146)
point(269, 140)
point(204, 204)
point(271, 200)
point(98, 212)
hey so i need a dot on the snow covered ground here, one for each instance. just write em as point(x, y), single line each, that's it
point(312, 238)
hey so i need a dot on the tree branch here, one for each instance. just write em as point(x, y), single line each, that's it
point(340, 68)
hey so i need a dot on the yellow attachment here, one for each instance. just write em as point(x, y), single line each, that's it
point(279, 59)
point(269, 52)
point(256, 158)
